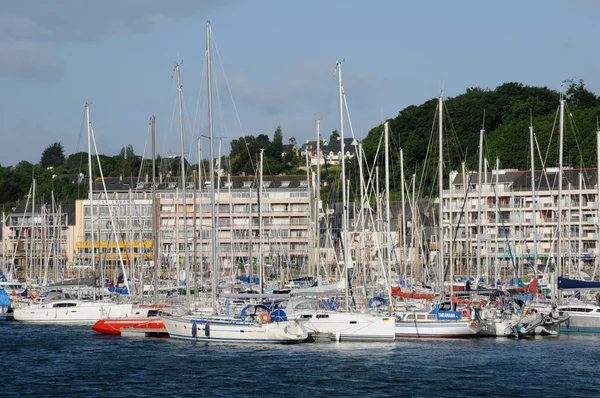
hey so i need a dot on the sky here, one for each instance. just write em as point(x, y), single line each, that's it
point(273, 64)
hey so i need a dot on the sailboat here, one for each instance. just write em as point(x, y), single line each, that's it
point(270, 327)
point(60, 307)
point(440, 322)
point(307, 306)
point(579, 316)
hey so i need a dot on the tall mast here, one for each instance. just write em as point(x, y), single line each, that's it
point(402, 198)
point(260, 225)
point(533, 200)
point(213, 250)
point(155, 212)
point(233, 274)
point(441, 204)
point(91, 182)
point(388, 239)
point(597, 198)
point(201, 216)
point(344, 199)
point(186, 260)
point(497, 219)
point(362, 213)
point(558, 269)
point(479, 187)
point(318, 204)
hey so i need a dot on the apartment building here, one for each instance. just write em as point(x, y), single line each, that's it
point(512, 217)
point(122, 222)
point(39, 241)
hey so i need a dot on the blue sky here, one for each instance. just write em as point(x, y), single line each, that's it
point(278, 58)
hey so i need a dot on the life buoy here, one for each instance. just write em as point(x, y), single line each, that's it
point(264, 317)
point(465, 313)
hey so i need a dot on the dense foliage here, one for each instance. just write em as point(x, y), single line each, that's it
point(505, 113)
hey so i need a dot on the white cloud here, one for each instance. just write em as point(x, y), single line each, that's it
point(310, 87)
point(26, 27)
point(25, 59)
point(78, 20)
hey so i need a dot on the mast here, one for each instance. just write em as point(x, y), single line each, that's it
point(403, 199)
point(233, 273)
point(33, 265)
point(318, 203)
point(413, 227)
point(344, 198)
point(186, 260)
point(497, 218)
point(155, 212)
point(533, 199)
point(479, 223)
point(213, 250)
point(388, 239)
point(362, 214)
point(260, 226)
point(201, 216)
point(579, 227)
point(597, 200)
point(91, 181)
point(558, 269)
point(441, 204)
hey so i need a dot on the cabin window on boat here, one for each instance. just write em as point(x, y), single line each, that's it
point(410, 317)
point(421, 316)
point(64, 305)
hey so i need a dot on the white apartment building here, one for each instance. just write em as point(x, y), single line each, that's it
point(39, 241)
point(515, 222)
point(123, 222)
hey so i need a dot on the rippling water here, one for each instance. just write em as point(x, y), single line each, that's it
point(59, 361)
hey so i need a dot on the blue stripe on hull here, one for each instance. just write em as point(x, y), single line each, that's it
point(574, 330)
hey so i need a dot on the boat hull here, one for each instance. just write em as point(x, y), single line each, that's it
point(435, 329)
point(115, 326)
point(581, 323)
point(348, 326)
point(228, 330)
point(72, 311)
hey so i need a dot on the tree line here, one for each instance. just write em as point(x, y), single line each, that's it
point(505, 113)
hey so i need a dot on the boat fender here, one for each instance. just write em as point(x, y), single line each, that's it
point(264, 317)
point(207, 329)
point(194, 329)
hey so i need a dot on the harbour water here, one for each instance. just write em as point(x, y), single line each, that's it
point(64, 361)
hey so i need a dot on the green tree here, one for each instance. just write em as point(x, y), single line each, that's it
point(276, 147)
point(53, 156)
point(334, 135)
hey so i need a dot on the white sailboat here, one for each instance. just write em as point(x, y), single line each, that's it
point(270, 328)
point(59, 307)
point(438, 322)
point(305, 305)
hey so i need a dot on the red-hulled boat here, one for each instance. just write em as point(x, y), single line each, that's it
point(151, 320)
